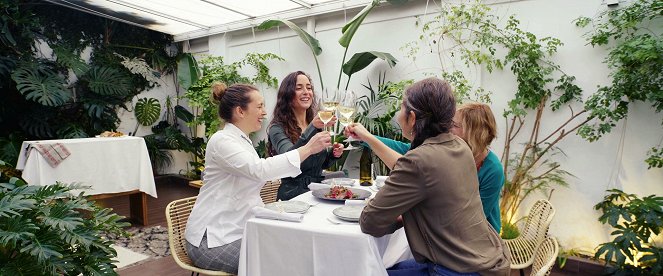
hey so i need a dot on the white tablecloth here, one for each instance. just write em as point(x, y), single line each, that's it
point(315, 246)
point(108, 165)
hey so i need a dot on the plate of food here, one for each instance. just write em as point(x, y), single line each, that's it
point(291, 206)
point(111, 134)
point(339, 181)
point(341, 193)
point(348, 212)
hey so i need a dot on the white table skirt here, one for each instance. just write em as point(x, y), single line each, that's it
point(317, 247)
point(108, 165)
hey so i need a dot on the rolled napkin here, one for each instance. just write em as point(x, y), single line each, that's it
point(379, 180)
point(53, 153)
point(317, 186)
point(262, 212)
point(356, 202)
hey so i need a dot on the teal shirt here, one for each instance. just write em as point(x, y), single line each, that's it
point(491, 180)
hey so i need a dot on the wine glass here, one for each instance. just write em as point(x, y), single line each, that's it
point(328, 105)
point(346, 109)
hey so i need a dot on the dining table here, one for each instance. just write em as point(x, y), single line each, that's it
point(109, 166)
point(320, 244)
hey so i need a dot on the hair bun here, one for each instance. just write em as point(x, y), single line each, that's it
point(218, 89)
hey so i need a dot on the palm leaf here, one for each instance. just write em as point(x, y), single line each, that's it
point(41, 85)
point(147, 111)
point(108, 81)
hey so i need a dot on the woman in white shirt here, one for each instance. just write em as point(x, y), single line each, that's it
point(233, 177)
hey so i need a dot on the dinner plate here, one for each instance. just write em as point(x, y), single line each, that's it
point(339, 181)
point(291, 206)
point(348, 212)
point(361, 194)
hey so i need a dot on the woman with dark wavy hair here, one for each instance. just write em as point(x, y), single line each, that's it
point(295, 121)
point(433, 192)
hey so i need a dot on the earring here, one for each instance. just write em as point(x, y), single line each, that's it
point(410, 132)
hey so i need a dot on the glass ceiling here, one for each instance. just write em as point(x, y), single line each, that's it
point(188, 19)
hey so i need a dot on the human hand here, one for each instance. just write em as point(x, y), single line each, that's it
point(357, 131)
point(317, 123)
point(338, 150)
point(318, 142)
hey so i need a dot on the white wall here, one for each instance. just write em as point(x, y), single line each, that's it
point(615, 161)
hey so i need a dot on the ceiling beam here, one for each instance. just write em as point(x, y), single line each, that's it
point(160, 14)
point(230, 9)
point(302, 3)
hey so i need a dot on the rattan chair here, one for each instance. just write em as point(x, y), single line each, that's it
point(535, 231)
point(268, 192)
point(177, 214)
point(544, 257)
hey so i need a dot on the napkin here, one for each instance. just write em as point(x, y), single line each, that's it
point(356, 202)
point(53, 153)
point(262, 212)
point(317, 186)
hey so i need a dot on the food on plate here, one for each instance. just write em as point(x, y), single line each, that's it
point(340, 192)
point(111, 134)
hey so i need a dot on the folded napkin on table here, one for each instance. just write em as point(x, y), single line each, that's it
point(53, 153)
point(261, 212)
point(356, 202)
point(317, 186)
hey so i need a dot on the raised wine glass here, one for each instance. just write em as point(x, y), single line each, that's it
point(346, 109)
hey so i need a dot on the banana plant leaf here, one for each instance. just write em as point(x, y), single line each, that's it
point(359, 61)
point(183, 114)
point(147, 111)
point(351, 27)
point(188, 71)
point(311, 41)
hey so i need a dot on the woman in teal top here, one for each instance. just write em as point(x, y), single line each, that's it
point(475, 124)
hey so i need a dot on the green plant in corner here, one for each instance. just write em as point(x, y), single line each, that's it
point(45, 231)
point(636, 221)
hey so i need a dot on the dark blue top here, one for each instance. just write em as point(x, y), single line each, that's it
point(491, 180)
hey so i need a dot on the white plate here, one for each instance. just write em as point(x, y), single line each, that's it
point(361, 194)
point(339, 181)
point(292, 206)
point(348, 212)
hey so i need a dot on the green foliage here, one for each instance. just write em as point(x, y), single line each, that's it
point(40, 84)
point(509, 230)
point(147, 111)
point(39, 101)
point(187, 70)
point(47, 230)
point(635, 221)
point(474, 40)
point(359, 60)
point(636, 62)
point(10, 147)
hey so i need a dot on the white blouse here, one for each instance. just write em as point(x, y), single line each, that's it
point(232, 180)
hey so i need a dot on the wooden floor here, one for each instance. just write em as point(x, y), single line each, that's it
point(170, 188)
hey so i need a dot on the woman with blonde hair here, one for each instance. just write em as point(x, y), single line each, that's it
point(475, 124)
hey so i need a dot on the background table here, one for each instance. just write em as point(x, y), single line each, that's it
point(112, 166)
point(315, 246)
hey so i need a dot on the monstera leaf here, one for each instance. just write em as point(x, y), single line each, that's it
point(72, 131)
point(108, 81)
point(70, 59)
point(147, 111)
point(37, 124)
point(41, 85)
